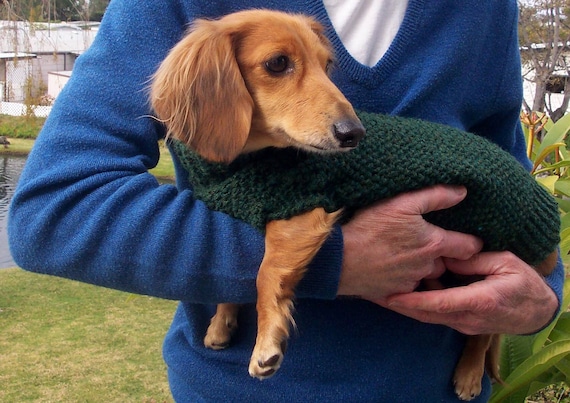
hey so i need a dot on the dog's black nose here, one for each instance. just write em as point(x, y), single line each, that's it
point(349, 132)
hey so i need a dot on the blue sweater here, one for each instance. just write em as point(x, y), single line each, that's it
point(87, 208)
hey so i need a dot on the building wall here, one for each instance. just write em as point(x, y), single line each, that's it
point(56, 82)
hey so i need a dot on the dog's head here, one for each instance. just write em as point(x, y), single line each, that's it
point(251, 80)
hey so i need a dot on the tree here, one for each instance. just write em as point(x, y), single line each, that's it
point(97, 9)
point(544, 33)
point(52, 10)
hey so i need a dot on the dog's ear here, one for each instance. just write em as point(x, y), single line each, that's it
point(319, 30)
point(199, 93)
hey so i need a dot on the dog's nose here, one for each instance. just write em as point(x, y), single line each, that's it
point(349, 132)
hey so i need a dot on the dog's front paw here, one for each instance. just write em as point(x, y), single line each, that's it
point(266, 361)
point(467, 386)
point(220, 331)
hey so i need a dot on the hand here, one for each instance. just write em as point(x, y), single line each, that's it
point(389, 248)
point(513, 298)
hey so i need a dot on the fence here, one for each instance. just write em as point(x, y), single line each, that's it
point(19, 109)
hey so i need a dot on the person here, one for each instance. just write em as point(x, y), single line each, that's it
point(87, 209)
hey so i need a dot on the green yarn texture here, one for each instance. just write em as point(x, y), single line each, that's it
point(504, 206)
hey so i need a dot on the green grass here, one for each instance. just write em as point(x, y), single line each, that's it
point(20, 126)
point(19, 147)
point(164, 169)
point(64, 341)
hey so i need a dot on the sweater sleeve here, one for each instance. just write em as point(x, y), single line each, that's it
point(86, 207)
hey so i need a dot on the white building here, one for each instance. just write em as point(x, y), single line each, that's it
point(31, 52)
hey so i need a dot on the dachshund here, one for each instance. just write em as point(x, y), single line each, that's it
point(256, 79)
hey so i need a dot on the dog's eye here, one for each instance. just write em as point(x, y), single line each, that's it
point(278, 64)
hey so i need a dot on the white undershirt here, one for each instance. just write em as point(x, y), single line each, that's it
point(366, 27)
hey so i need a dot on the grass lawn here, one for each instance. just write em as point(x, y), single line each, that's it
point(64, 341)
point(17, 147)
point(164, 169)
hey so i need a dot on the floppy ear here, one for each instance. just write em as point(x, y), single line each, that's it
point(199, 93)
point(319, 30)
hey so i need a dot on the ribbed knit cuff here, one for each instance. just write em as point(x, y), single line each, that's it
point(555, 280)
point(323, 274)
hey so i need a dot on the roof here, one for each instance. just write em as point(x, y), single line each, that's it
point(42, 38)
point(14, 55)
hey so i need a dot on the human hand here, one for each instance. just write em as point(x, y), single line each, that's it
point(512, 298)
point(389, 247)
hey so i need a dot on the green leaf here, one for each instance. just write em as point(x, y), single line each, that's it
point(564, 205)
point(556, 133)
point(563, 366)
point(548, 182)
point(531, 368)
point(564, 217)
point(550, 168)
point(515, 350)
point(562, 186)
point(545, 152)
point(565, 241)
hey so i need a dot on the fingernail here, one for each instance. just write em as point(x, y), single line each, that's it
point(460, 190)
point(394, 304)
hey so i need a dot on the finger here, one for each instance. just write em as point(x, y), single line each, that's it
point(449, 319)
point(427, 316)
point(455, 245)
point(463, 322)
point(482, 264)
point(437, 270)
point(434, 198)
point(471, 298)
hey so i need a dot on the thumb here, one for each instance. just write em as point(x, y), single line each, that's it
point(480, 264)
point(435, 198)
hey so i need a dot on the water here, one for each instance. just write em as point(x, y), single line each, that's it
point(10, 168)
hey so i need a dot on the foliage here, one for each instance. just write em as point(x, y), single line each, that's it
point(531, 363)
point(23, 127)
point(53, 10)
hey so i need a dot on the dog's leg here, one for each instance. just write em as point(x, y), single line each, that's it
point(471, 366)
point(290, 245)
point(222, 326)
point(493, 358)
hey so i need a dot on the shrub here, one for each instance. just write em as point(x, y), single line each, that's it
point(20, 126)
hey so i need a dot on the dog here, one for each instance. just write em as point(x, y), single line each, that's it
point(257, 79)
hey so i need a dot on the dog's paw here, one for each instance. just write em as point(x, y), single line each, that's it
point(220, 331)
point(467, 387)
point(265, 362)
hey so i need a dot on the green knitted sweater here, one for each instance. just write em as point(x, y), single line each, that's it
point(504, 205)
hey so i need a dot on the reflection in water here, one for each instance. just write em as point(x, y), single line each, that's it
point(10, 168)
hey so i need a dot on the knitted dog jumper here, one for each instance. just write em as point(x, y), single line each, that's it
point(505, 206)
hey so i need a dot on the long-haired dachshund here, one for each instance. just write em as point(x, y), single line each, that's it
point(257, 79)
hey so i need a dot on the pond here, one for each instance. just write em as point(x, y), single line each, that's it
point(10, 168)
